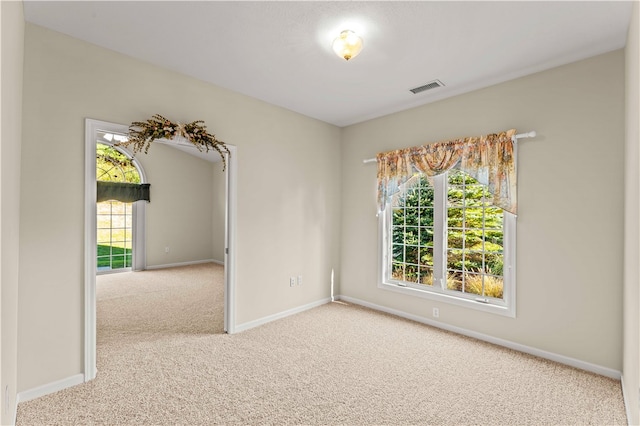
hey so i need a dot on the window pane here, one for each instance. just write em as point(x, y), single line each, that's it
point(398, 217)
point(473, 283)
point(104, 208)
point(426, 276)
point(426, 237)
point(117, 262)
point(412, 254)
point(494, 239)
point(493, 286)
point(397, 251)
point(397, 271)
point(474, 217)
point(454, 259)
point(397, 234)
point(117, 208)
point(455, 238)
point(118, 221)
point(454, 217)
point(474, 237)
point(104, 236)
point(426, 256)
point(494, 263)
point(411, 273)
point(104, 221)
point(454, 281)
point(426, 216)
point(455, 196)
point(411, 235)
point(473, 261)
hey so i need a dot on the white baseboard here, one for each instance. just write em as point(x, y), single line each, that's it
point(626, 401)
point(289, 312)
point(583, 365)
point(172, 265)
point(49, 388)
point(219, 262)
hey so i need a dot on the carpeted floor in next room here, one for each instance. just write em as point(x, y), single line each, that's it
point(164, 360)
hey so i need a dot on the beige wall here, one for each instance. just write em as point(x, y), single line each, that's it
point(12, 24)
point(288, 190)
point(631, 306)
point(179, 215)
point(569, 230)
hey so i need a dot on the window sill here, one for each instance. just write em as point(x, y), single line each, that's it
point(507, 311)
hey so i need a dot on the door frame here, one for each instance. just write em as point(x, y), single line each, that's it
point(91, 128)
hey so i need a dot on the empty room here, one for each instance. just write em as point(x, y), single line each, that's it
point(320, 212)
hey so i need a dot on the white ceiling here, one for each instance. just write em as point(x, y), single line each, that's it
point(280, 52)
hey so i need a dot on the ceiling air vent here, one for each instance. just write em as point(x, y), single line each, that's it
point(428, 86)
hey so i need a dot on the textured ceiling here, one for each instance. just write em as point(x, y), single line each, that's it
point(280, 52)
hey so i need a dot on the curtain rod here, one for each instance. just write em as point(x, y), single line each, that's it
point(531, 134)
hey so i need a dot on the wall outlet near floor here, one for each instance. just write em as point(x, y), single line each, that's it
point(166, 249)
point(299, 279)
point(436, 312)
point(292, 281)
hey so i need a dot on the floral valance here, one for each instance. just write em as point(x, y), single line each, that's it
point(490, 159)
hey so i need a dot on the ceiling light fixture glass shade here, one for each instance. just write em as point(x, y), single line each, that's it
point(347, 45)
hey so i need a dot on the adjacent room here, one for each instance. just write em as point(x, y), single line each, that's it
point(401, 213)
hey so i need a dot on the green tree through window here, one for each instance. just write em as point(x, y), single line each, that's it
point(472, 246)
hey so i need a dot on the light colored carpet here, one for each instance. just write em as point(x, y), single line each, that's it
point(163, 360)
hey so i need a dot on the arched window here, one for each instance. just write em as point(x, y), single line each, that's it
point(448, 241)
point(115, 219)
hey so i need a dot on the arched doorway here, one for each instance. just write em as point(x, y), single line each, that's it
point(92, 130)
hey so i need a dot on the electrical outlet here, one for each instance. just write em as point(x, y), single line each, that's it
point(436, 312)
point(292, 281)
point(299, 279)
point(166, 249)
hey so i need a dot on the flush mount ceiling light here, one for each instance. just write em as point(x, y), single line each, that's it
point(347, 45)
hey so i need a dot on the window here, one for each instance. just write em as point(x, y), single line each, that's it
point(114, 218)
point(446, 240)
point(114, 235)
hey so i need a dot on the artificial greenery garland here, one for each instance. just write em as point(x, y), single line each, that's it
point(142, 133)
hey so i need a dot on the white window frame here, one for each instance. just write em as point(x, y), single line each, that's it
point(138, 213)
point(438, 291)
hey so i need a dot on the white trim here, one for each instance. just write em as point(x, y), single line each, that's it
point(449, 298)
point(91, 128)
point(49, 388)
point(172, 265)
point(583, 365)
point(230, 235)
point(625, 401)
point(280, 315)
point(218, 262)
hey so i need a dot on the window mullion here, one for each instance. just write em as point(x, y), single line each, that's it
point(439, 230)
